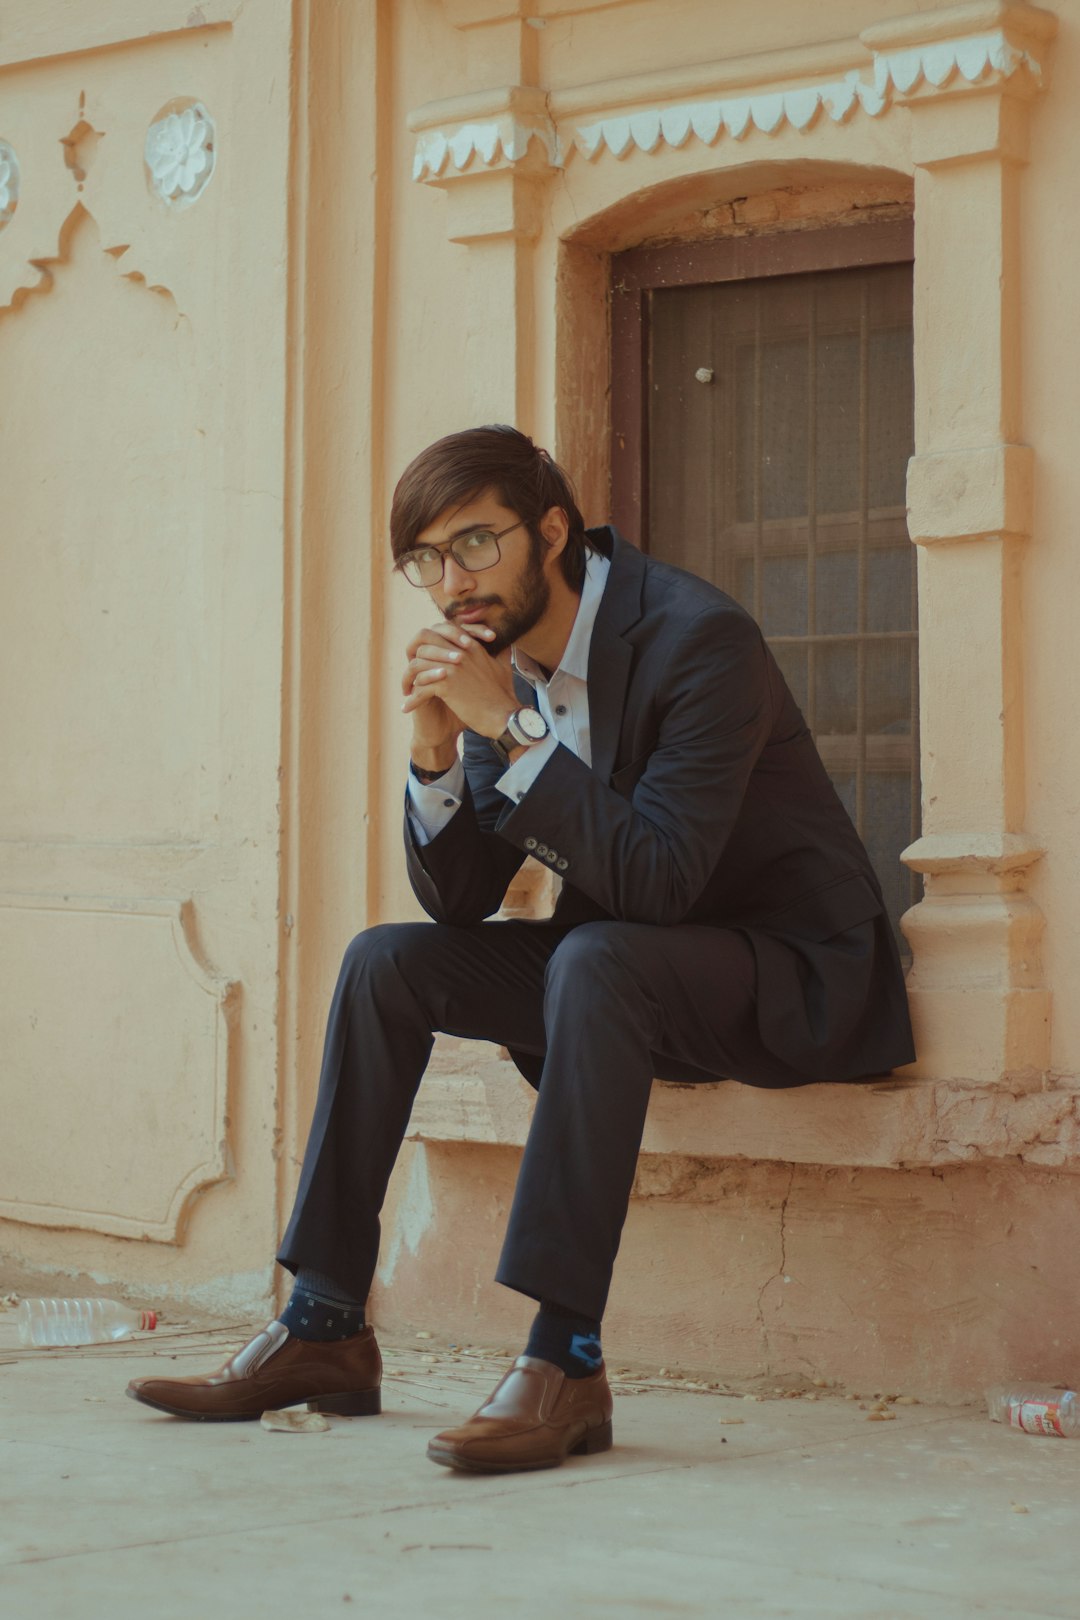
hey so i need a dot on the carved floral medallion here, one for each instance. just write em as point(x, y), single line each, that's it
point(180, 153)
point(9, 183)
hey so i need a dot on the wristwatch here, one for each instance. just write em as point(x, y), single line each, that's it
point(524, 729)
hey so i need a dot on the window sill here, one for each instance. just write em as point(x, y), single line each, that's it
point(473, 1093)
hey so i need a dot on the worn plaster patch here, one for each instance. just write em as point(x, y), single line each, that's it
point(415, 1217)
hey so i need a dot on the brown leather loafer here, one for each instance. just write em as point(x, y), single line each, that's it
point(536, 1418)
point(275, 1370)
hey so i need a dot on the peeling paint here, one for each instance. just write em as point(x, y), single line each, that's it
point(415, 1217)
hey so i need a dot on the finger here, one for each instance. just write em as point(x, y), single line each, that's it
point(417, 699)
point(471, 632)
point(458, 635)
point(429, 677)
point(417, 666)
point(436, 655)
point(445, 636)
point(441, 634)
point(471, 635)
point(448, 634)
point(412, 670)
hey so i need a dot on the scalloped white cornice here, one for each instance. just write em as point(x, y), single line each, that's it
point(498, 128)
point(505, 137)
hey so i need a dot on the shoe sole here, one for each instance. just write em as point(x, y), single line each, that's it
point(363, 1403)
point(591, 1442)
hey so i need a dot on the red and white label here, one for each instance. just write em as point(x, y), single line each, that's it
point(1036, 1417)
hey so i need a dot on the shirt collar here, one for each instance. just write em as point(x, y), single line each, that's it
point(575, 660)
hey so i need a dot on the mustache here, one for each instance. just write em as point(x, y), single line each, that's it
point(452, 611)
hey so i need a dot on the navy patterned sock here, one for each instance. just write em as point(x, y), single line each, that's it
point(319, 1309)
point(561, 1336)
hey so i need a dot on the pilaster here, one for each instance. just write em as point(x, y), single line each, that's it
point(978, 1000)
point(494, 170)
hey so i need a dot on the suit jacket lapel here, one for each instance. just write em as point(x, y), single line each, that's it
point(610, 655)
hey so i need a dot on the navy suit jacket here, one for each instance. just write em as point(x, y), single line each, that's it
point(706, 802)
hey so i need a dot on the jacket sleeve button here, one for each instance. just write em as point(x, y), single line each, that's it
point(562, 863)
point(530, 843)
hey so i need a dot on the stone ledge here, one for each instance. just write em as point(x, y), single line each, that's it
point(473, 1093)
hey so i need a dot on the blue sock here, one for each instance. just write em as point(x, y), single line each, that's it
point(319, 1309)
point(561, 1336)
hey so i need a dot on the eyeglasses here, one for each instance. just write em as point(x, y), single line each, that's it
point(474, 552)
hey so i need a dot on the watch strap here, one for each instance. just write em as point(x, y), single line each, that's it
point(426, 776)
point(502, 746)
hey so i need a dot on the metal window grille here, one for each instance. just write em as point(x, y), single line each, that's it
point(777, 432)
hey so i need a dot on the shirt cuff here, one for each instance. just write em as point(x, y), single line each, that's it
point(519, 777)
point(432, 805)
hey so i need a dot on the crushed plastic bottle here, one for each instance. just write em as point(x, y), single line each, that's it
point(79, 1321)
point(1036, 1410)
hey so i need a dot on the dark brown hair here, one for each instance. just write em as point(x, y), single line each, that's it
point(454, 470)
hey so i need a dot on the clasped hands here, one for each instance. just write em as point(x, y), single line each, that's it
point(451, 682)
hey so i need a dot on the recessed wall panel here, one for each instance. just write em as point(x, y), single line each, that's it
point(114, 1039)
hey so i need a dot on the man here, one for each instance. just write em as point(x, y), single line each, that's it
point(624, 723)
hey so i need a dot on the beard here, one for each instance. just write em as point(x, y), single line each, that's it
point(524, 609)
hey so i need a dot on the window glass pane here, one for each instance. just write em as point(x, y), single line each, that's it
point(837, 593)
point(836, 395)
point(887, 688)
point(783, 596)
point(771, 415)
point(793, 664)
point(890, 594)
point(891, 411)
point(836, 688)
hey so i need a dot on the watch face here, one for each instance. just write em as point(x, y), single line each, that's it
point(532, 724)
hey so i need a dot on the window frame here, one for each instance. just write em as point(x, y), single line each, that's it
point(635, 275)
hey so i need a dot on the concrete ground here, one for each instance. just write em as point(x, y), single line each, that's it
point(713, 1502)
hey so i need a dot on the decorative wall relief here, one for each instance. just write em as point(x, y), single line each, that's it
point(504, 139)
point(80, 146)
point(121, 1033)
point(924, 69)
point(117, 559)
point(928, 68)
point(180, 153)
point(9, 183)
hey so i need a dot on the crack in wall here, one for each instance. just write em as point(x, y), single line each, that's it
point(778, 1276)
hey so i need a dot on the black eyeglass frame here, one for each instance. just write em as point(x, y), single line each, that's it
point(426, 585)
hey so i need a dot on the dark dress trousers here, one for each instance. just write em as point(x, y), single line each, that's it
point(718, 919)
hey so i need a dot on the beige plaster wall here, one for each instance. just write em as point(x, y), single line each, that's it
point(206, 806)
point(142, 654)
point(187, 443)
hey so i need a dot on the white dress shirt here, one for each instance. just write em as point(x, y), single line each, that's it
point(563, 701)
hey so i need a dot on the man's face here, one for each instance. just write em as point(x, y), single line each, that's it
point(512, 595)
